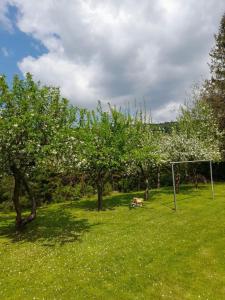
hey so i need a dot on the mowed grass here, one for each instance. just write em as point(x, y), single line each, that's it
point(73, 252)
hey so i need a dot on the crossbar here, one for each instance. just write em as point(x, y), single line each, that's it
point(188, 161)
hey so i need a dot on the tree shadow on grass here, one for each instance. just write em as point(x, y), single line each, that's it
point(109, 202)
point(52, 227)
point(116, 200)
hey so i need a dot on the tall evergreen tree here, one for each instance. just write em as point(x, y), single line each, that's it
point(214, 89)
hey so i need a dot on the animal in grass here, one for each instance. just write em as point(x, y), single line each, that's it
point(137, 202)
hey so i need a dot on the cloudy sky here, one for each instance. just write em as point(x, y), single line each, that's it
point(113, 50)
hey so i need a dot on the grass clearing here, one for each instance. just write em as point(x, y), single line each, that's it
point(73, 252)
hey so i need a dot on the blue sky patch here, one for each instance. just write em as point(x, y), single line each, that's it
point(14, 46)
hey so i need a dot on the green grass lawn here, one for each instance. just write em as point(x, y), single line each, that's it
point(73, 252)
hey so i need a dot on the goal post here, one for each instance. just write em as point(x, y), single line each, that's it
point(190, 161)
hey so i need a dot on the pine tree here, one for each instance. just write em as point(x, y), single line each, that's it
point(214, 89)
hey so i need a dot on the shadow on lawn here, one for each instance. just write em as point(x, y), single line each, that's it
point(113, 201)
point(57, 226)
point(52, 227)
point(109, 202)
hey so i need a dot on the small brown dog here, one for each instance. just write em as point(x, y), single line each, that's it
point(137, 201)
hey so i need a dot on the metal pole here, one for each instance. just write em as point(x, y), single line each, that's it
point(174, 190)
point(211, 175)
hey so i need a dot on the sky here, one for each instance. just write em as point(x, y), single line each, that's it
point(117, 51)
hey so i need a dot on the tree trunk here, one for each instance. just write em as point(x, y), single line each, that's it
point(113, 183)
point(16, 199)
point(158, 177)
point(195, 178)
point(186, 174)
point(139, 183)
point(177, 180)
point(83, 184)
point(100, 191)
point(32, 215)
point(177, 183)
point(146, 195)
point(20, 179)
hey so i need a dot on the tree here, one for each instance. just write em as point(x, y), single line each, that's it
point(102, 143)
point(144, 149)
point(196, 136)
point(30, 117)
point(214, 89)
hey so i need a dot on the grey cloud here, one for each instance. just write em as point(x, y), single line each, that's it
point(121, 50)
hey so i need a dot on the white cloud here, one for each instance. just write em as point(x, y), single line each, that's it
point(167, 112)
point(4, 20)
point(120, 50)
point(74, 79)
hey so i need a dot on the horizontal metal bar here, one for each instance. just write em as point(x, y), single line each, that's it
point(188, 161)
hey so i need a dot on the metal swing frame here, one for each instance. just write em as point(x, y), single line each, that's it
point(190, 161)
